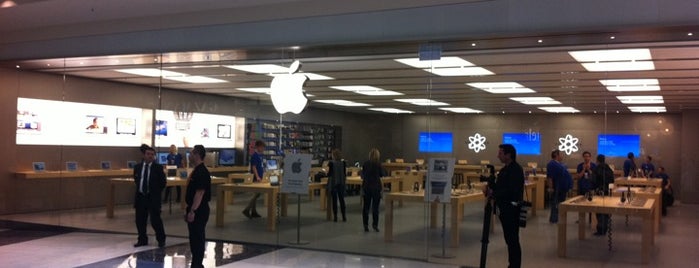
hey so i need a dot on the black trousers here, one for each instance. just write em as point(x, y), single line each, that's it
point(371, 200)
point(338, 194)
point(197, 235)
point(509, 218)
point(602, 223)
point(145, 206)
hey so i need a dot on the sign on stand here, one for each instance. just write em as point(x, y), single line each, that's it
point(438, 185)
point(297, 168)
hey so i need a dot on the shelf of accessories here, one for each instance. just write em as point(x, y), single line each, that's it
point(314, 139)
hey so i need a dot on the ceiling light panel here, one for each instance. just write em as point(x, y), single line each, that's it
point(343, 103)
point(367, 90)
point(460, 71)
point(536, 100)
point(614, 59)
point(462, 110)
point(170, 75)
point(440, 63)
point(264, 90)
point(559, 109)
point(501, 87)
point(260, 68)
point(391, 110)
point(641, 99)
point(423, 102)
point(647, 109)
point(621, 85)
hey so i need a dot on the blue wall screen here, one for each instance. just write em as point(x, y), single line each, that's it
point(435, 142)
point(618, 145)
point(524, 143)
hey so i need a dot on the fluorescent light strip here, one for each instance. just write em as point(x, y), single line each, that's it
point(560, 109)
point(423, 102)
point(620, 85)
point(343, 103)
point(264, 90)
point(460, 71)
point(501, 87)
point(440, 63)
point(260, 68)
point(614, 59)
point(170, 75)
point(462, 110)
point(641, 99)
point(391, 110)
point(647, 109)
point(536, 100)
point(367, 90)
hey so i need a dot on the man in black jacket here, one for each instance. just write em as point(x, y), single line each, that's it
point(603, 175)
point(508, 190)
point(150, 181)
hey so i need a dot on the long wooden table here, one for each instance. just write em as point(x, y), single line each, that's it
point(539, 192)
point(652, 193)
point(605, 205)
point(270, 192)
point(457, 205)
point(624, 182)
point(171, 181)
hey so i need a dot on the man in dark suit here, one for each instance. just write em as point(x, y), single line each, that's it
point(150, 180)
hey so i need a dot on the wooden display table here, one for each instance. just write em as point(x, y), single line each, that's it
point(606, 205)
point(539, 193)
point(624, 182)
point(270, 192)
point(171, 181)
point(398, 166)
point(650, 193)
point(74, 174)
point(457, 205)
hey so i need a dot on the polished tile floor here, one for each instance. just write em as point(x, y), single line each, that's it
point(85, 237)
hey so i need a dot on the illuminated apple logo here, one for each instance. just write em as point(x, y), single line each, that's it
point(287, 91)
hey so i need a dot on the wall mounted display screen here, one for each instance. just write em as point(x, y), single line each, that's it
point(618, 145)
point(524, 143)
point(49, 122)
point(435, 142)
point(188, 129)
point(226, 157)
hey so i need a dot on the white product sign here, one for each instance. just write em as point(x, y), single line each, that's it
point(297, 168)
point(438, 185)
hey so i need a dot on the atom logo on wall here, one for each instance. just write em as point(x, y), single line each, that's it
point(568, 144)
point(476, 142)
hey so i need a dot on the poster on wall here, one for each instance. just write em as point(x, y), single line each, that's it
point(49, 122)
point(224, 131)
point(212, 131)
point(438, 185)
point(160, 127)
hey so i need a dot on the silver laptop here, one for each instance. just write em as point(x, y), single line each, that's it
point(273, 180)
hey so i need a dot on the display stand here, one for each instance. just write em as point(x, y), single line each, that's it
point(444, 234)
point(298, 224)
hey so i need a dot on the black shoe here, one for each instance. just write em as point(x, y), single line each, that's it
point(344, 219)
point(366, 229)
point(139, 244)
point(161, 244)
point(376, 228)
point(255, 215)
point(246, 212)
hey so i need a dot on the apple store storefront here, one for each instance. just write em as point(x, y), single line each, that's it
point(433, 114)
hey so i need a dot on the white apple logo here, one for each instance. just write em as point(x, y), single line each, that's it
point(287, 91)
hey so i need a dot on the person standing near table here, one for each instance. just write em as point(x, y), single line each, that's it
point(560, 182)
point(667, 189)
point(337, 182)
point(197, 197)
point(585, 173)
point(150, 180)
point(257, 170)
point(648, 167)
point(371, 187)
point(629, 165)
point(173, 159)
point(603, 176)
point(507, 192)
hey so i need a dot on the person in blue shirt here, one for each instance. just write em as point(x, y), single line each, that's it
point(257, 170)
point(560, 182)
point(585, 173)
point(667, 189)
point(629, 165)
point(173, 159)
point(648, 167)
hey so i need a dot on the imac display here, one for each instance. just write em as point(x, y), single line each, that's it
point(226, 157)
point(272, 164)
point(524, 143)
point(618, 145)
point(435, 142)
point(162, 158)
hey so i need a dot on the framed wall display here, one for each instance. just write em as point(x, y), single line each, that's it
point(161, 127)
point(95, 124)
point(126, 126)
point(106, 165)
point(71, 166)
point(224, 131)
point(130, 164)
point(39, 166)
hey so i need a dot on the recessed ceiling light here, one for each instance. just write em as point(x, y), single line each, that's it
point(536, 100)
point(391, 110)
point(631, 84)
point(367, 90)
point(539, 41)
point(614, 59)
point(641, 99)
point(264, 90)
point(559, 109)
point(462, 110)
point(311, 76)
point(343, 103)
point(17, 66)
point(473, 44)
point(170, 75)
point(647, 109)
point(423, 102)
point(260, 68)
point(460, 71)
point(501, 87)
point(440, 63)
point(690, 34)
point(612, 37)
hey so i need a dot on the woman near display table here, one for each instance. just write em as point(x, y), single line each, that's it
point(371, 187)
